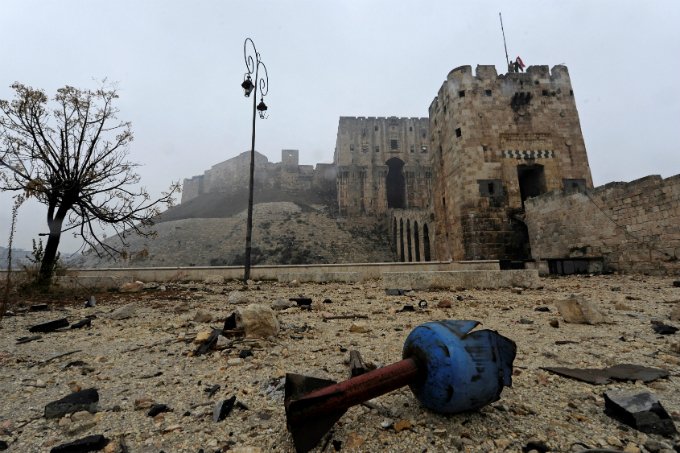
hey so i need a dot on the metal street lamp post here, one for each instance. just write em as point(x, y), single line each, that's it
point(250, 86)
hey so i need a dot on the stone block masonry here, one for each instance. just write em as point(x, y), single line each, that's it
point(634, 227)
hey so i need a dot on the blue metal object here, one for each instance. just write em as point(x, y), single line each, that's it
point(465, 370)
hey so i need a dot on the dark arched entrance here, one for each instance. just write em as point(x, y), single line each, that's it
point(426, 242)
point(395, 184)
point(416, 240)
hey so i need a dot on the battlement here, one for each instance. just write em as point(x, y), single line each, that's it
point(345, 119)
point(485, 81)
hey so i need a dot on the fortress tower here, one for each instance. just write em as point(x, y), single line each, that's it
point(497, 140)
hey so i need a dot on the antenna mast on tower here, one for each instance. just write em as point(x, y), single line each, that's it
point(507, 60)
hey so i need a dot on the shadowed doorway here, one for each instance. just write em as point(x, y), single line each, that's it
point(531, 181)
point(395, 184)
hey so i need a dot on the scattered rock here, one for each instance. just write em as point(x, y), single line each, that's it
point(402, 424)
point(525, 321)
point(676, 283)
point(131, 287)
point(238, 298)
point(516, 290)
point(301, 301)
point(294, 284)
point(282, 304)
point(144, 402)
point(577, 310)
point(622, 372)
point(444, 303)
point(554, 323)
point(622, 307)
point(124, 312)
point(85, 400)
point(203, 316)
point(203, 336)
point(395, 292)
point(39, 307)
point(91, 302)
point(3, 445)
point(675, 313)
point(49, 326)
point(257, 321)
point(354, 441)
point(89, 443)
point(359, 327)
point(542, 309)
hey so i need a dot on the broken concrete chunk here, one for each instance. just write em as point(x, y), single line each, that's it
point(359, 327)
point(203, 316)
point(577, 310)
point(301, 301)
point(395, 292)
point(39, 307)
point(85, 400)
point(223, 409)
point(621, 372)
point(282, 304)
point(642, 411)
point(124, 312)
point(131, 287)
point(89, 443)
point(209, 343)
point(238, 298)
point(49, 326)
point(257, 321)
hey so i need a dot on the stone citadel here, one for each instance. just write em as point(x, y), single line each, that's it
point(457, 185)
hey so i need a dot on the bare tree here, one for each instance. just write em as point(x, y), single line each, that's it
point(74, 160)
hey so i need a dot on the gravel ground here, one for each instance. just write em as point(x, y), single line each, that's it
point(148, 358)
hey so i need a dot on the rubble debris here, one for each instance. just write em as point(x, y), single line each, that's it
point(445, 388)
point(422, 304)
point(223, 409)
point(211, 390)
point(543, 309)
point(578, 310)
point(39, 307)
point(208, 343)
point(3, 445)
point(359, 327)
point(49, 326)
point(243, 353)
point(124, 312)
point(641, 411)
point(356, 364)
point(203, 316)
point(238, 298)
point(663, 329)
point(444, 304)
point(536, 445)
point(554, 323)
point(282, 304)
point(407, 308)
point(131, 287)
point(675, 313)
point(301, 301)
point(327, 301)
point(348, 316)
point(84, 400)
point(91, 302)
point(230, 322)
point(22, 340)
point(89, 443)
point(402, 424)
point(87, 322)
point(395, 292)
point(158, 409)
point(621, 372)
point(257, 321)
point(676, 283)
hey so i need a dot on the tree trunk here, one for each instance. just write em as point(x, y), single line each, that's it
point(50, 254)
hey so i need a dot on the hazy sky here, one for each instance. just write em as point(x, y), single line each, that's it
point(179, 64)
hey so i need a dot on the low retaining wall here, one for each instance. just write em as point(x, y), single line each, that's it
point(483, 279)
point(347, 273)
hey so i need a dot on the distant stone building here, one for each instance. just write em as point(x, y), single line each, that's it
point(384, 170)
point(233, 174)
point(497, 140)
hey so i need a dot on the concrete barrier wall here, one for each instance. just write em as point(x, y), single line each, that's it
point(483, 279)
point(113, 277)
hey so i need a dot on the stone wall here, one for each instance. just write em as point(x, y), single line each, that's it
point(382, 163)
point(634, 226)
point(233, 175)
point(412, 235)
point(497, 140)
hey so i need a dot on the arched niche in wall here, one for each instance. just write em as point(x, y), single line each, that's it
point(395, 184)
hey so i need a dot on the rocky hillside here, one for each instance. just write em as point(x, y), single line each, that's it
point(283, 233)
